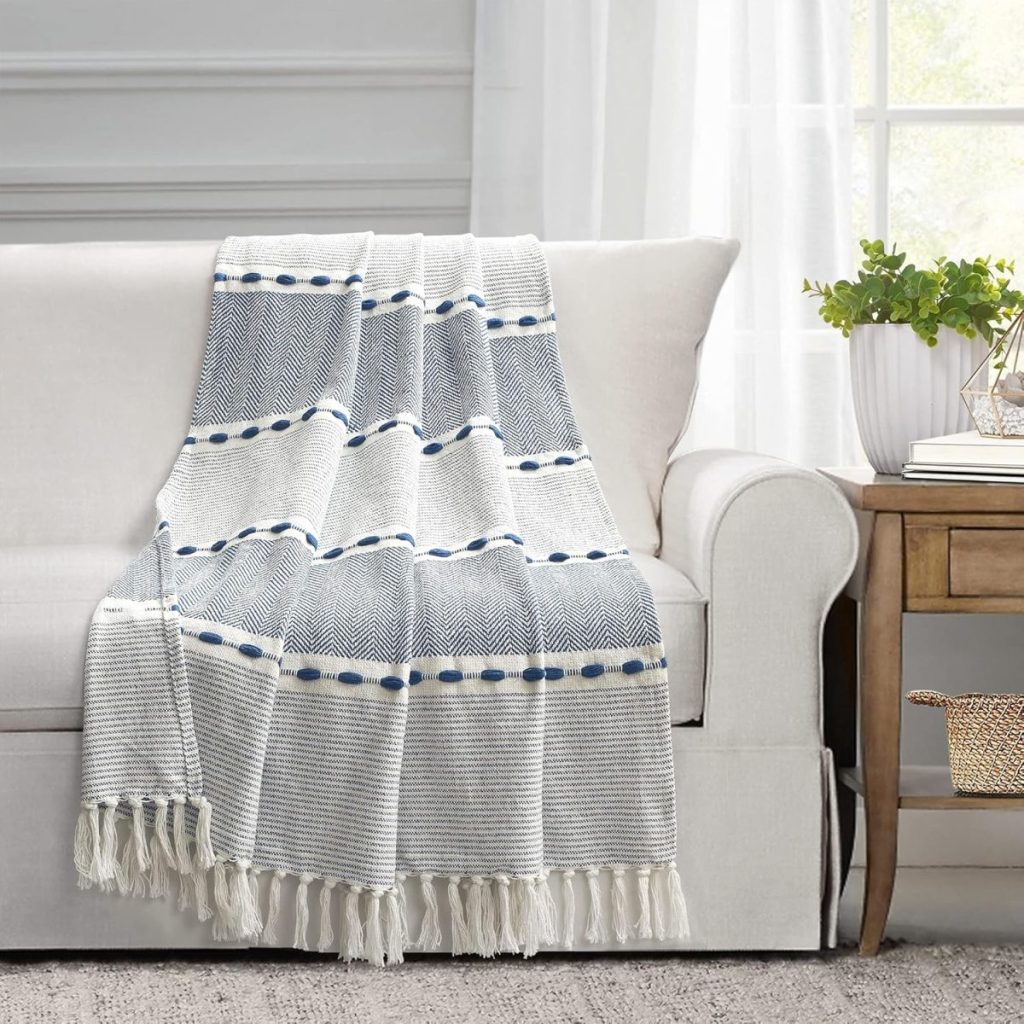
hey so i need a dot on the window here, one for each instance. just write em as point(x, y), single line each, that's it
point(938, 88)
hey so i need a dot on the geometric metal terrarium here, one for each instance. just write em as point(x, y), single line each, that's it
point(994, 395)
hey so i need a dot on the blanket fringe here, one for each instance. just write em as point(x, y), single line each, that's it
point(548, 911)
point(180, 840)
point(489, 931)
point(430, 929)
point(597, 930)
point(402, 907)
point(373, 946)
point(302, 912)
point(326, 940)
point(353, 946)
point(568, 908)
point(204, 819)
point(619, 925)
point(394, 945)
point(507, 941)
point(489, 915)
point(644, 928)
point(108, 867)
point(201, 892)
point(159, 879)
point(269, 936)
point(679, 923)
point(460, 930)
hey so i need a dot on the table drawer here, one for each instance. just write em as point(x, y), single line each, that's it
point(986, 563)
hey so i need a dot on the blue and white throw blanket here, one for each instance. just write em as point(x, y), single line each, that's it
point(386, 641)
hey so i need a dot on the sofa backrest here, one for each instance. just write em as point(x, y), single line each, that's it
point(102, 343)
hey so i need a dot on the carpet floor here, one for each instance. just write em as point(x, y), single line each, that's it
point(904, 985)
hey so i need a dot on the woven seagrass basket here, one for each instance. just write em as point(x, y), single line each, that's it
point(986, 739)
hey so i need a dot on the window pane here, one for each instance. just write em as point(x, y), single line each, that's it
point(860, 58)
point(957, 191)
point(946, 52)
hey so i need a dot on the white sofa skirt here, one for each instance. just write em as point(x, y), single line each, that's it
point(758, 857)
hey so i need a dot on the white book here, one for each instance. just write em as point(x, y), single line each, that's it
point(946, 468)
point(969, 449)
point(963, 477)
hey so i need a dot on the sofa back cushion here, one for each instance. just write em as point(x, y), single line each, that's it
point(102, 345)
point(631, 319)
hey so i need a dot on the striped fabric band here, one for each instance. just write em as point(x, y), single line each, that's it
point(386, 627)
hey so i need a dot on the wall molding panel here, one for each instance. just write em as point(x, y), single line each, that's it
point(24, 72)
point(148, 144)
point(79, 203)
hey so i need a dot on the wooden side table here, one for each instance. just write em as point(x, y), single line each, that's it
point(926, 547)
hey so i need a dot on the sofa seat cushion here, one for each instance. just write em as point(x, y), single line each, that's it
point(48, 596)
point(681, 613)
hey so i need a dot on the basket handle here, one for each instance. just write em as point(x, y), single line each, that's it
point(932, 698)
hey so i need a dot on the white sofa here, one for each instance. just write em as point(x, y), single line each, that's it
point(101, 348)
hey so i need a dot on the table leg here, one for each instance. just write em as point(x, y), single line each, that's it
point(881, 682)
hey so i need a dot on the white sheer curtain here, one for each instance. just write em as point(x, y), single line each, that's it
point(655, 118)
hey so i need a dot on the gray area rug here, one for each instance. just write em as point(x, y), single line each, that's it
point(904, 985)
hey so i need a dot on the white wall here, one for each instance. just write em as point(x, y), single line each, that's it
point(192, 119)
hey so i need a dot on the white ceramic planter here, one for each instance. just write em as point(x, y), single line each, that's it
point(904, 391)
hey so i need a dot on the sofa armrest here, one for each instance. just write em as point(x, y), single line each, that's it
point(770, 546)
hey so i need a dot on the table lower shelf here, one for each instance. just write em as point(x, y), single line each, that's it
point(930, 789)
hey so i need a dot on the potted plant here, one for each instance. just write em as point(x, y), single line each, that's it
point(911, 332)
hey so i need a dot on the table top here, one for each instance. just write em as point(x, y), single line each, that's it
point(875, 492)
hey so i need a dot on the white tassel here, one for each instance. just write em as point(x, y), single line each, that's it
point(245, 913)
point(619, 925)
point(108, 868)
point(475, 916)
point(430, 930)
point(180, 838)
point(203, 841)
point(597, 928)
point(395, 929)
point(139, 833)
point(548, 910)
point(643, 895)
point(460, 931)
point(254, 896)
point(658, 903)
point(507, 942)
point(373, 948)
point(326, 927)
point(489, 930)
point(273, 909)
point(530, 916)
point(159, 881)
point(87, 837)
point(163, 836)
point(403, 907)
point(223, 925)
point(353, 948)
point(132, 878)
point(568, 908)
point(201, 889)
point(185, 892)
point(678, 919)
point(518, 902)
point(302, 912)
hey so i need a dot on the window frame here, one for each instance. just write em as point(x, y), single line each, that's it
point(880, 116)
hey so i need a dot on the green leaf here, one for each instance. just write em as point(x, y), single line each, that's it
point(964, 295)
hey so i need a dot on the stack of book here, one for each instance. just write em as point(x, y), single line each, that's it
point(967, 457)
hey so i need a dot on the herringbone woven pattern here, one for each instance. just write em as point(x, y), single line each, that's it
point(384, 601)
